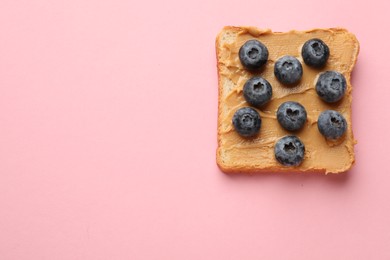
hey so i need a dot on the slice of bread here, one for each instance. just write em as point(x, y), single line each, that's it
point(250, 155)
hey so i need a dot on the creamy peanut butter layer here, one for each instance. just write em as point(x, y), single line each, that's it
point(257, 154)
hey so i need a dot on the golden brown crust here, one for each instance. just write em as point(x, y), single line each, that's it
point(230, 167)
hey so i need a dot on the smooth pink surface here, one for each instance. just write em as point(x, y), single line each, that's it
point(108, 114)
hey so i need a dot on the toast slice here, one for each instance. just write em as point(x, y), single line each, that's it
point(250, 155)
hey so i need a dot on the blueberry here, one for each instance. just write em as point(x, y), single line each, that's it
point(331, 124)
point(315, 53)
point(331, 86)
point(291, 115)
point(257, 91)
point(289, 151)
point(253, 54)
point(247, 122)
point(288, 70)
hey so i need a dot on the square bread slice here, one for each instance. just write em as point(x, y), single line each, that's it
point(250, 155)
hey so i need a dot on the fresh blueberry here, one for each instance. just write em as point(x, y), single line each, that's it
point(289, 150)
point(257, 91)
point(331, 124)
point(247, 121)
point(253, 54)
point(288, 70)
point(291, 115)
point(331, 86)
point(315, 53)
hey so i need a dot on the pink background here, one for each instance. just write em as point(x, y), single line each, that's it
point(108, 114)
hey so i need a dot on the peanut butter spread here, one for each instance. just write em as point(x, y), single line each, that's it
point(258, 153)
